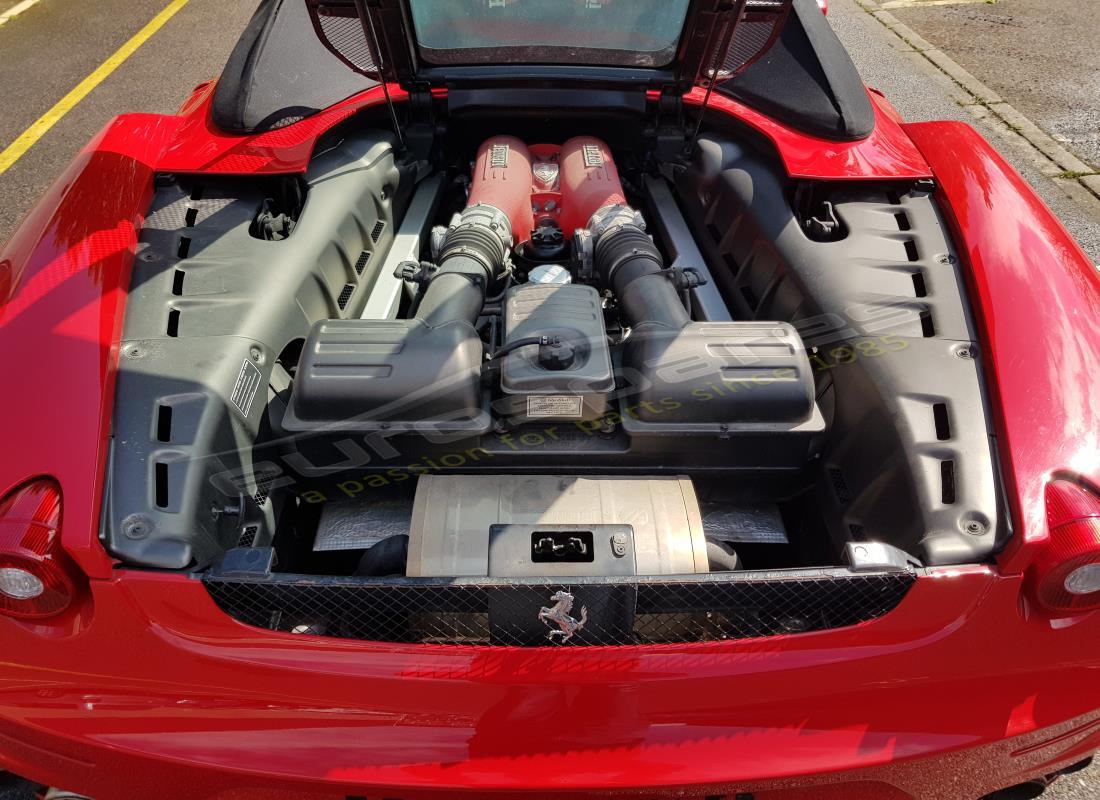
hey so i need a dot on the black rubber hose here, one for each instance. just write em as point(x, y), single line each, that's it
point(472, 257)
point(450, 296)
point(721, 556)
point(503, 291)
point(554, 353)
point(387, 557)
point(527, 341)
point(628, 261)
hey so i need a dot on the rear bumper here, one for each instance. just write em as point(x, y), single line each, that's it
point(155, 692)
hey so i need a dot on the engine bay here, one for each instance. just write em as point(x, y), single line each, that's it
point(548, 357)
point(545, 314)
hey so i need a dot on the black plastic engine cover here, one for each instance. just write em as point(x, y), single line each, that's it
point(397, 375)
point(716, 377)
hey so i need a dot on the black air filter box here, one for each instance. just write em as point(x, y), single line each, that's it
point(363, 374)
point(719, 378)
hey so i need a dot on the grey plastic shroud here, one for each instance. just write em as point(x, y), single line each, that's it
point(909, 457)
point(673, 232)
point(385, 294)
point(209, 311)
point(718, 377)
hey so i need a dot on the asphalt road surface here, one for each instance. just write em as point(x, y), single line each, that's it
point(921, 92)
point(1038, 54)
point(53, 46)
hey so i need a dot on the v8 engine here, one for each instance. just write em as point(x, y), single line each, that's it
point(546, 307)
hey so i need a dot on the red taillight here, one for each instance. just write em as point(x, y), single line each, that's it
point(5, 281)
point(37, 579)
point(1066, 575)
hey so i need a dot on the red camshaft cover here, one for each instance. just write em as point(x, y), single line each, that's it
point(543, 183)
point(589, 181)
point(502, 179)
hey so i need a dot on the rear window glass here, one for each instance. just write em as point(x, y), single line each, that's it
point(634, 33)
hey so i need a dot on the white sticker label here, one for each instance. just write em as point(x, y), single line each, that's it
point(555, 405)
point(246, 387)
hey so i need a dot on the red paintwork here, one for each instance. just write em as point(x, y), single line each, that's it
point(587, 186)
point(507, 188)
point(886, 154)
point(67, 269)
point(198, 146)
point(147, 689)
point(1037, 298)
point(163, 695)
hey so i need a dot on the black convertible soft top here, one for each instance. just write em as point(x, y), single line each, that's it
point(807, 80)
point(280, 72)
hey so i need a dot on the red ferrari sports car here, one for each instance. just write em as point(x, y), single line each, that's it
point(521, 399)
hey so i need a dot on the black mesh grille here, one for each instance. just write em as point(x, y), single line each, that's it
point(248, 536)
point(755, 34)
point(376, 231)
point(480, 611)
point(345, 295)
point(840, 486)
point(346, 36)
point(749, 41)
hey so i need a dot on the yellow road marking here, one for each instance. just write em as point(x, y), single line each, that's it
point(66, 104)
point(17, 9)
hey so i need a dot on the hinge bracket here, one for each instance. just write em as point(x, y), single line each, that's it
point(421, 130)
point(668, 130)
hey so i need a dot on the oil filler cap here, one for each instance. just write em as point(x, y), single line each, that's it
point(552, 274)
point(557, 355)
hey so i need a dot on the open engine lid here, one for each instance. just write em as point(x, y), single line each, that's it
point(658, 44)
